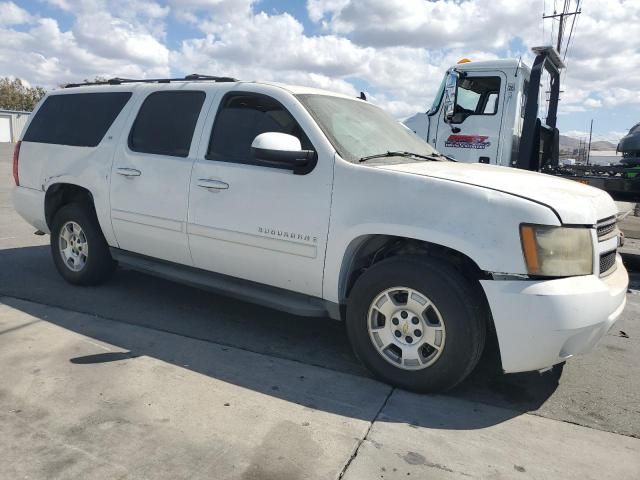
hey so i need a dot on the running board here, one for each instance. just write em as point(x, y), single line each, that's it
point(245, 290)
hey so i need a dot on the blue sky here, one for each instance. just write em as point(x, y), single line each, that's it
point(394, 50)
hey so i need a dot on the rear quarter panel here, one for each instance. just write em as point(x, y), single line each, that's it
point(43, 165)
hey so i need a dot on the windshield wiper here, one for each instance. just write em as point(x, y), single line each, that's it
point(433, 158)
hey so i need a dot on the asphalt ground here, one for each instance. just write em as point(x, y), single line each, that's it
point(239, 391)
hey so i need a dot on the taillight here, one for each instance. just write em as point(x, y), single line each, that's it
point(16, 155)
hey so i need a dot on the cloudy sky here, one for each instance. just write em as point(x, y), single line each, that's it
point(394, 50)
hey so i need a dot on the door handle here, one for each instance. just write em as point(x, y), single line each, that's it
point(128, 172)
point(211, 184)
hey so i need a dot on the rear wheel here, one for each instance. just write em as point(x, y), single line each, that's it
point(416, 323)
point(79, 250)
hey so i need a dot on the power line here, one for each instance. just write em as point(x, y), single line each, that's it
point(573, 22)
point(565, 13)
point(544, 7)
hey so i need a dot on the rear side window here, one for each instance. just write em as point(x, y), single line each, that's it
point(165, 123)
point(77, 119)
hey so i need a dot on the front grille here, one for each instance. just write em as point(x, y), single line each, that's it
point(605, 227)
point(607, 262)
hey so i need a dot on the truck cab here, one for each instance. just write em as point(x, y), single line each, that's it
point(487, 112)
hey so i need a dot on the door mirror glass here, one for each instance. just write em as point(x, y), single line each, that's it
point(450, 95)
point(281, 150)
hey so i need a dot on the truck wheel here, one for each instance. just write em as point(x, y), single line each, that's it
point(80, 252)
point(416, 323)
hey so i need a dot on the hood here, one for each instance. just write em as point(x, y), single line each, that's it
point(573, 202)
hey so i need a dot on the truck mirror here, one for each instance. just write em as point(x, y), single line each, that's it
point(450, 95)
point(281, 150)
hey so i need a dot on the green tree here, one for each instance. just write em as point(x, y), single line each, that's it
point(14, 95)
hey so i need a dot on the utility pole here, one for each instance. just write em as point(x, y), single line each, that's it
point(562, 17)
point(589, 150)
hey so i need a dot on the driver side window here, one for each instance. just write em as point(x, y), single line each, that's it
point(476, 96)
point(241, 118)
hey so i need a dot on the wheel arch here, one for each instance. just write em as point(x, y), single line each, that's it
point(60, 194)
point(367, 250)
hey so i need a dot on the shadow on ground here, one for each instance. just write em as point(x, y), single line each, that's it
point(200, 331)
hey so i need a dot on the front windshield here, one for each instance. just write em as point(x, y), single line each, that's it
point(358, 129)
point(438, 98)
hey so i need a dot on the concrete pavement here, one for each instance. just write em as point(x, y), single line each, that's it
point(85, 397)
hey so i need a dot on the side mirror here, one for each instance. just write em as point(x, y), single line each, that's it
point(450, 95)
point(282, 150)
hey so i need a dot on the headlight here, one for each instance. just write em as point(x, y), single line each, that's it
point(557, 251)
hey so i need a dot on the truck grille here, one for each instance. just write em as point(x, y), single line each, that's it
point(607, 263)
point(605, 227)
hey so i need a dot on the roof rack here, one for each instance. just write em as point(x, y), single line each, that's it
point(188, 78)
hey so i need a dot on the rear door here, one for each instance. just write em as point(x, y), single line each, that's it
point(151, 172)
point(474, 133)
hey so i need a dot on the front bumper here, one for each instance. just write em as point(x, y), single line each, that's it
point(543, 322)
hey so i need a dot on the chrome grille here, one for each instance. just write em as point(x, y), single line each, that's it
point(605, 227)
point(607, 262)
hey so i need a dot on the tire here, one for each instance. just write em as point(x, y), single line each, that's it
point(455, 309)
point(90, 262)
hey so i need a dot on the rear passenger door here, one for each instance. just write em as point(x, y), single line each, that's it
point(151, 172)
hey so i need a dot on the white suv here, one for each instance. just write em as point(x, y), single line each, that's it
point(320, 204)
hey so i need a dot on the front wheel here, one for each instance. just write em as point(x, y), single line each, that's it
point(79, 250)
point(416, 323)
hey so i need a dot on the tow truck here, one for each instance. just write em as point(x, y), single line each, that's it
point(487, 112)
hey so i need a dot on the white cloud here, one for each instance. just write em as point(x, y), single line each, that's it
point(317, 9)
point(12, 14)
point(435, 24)
point(124, 41)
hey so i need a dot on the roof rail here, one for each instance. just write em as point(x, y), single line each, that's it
point(188, 78)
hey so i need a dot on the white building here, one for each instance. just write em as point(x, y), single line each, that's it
point(11, 125)
point(604, 157)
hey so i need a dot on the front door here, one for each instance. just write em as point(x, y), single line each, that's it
point(256, 222)
point(151, 173)
point(474, 133)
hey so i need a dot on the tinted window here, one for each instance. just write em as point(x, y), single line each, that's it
point(78, 119)
point(165, 123)
point(241, 118)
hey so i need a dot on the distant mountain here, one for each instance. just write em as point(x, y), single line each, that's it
point(603, 145)
point(569, 143)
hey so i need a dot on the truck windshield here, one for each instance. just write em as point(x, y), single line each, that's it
point(358, 129)
point(438, 98)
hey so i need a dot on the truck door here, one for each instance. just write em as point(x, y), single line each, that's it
point(251, 220)
point(474, 133)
